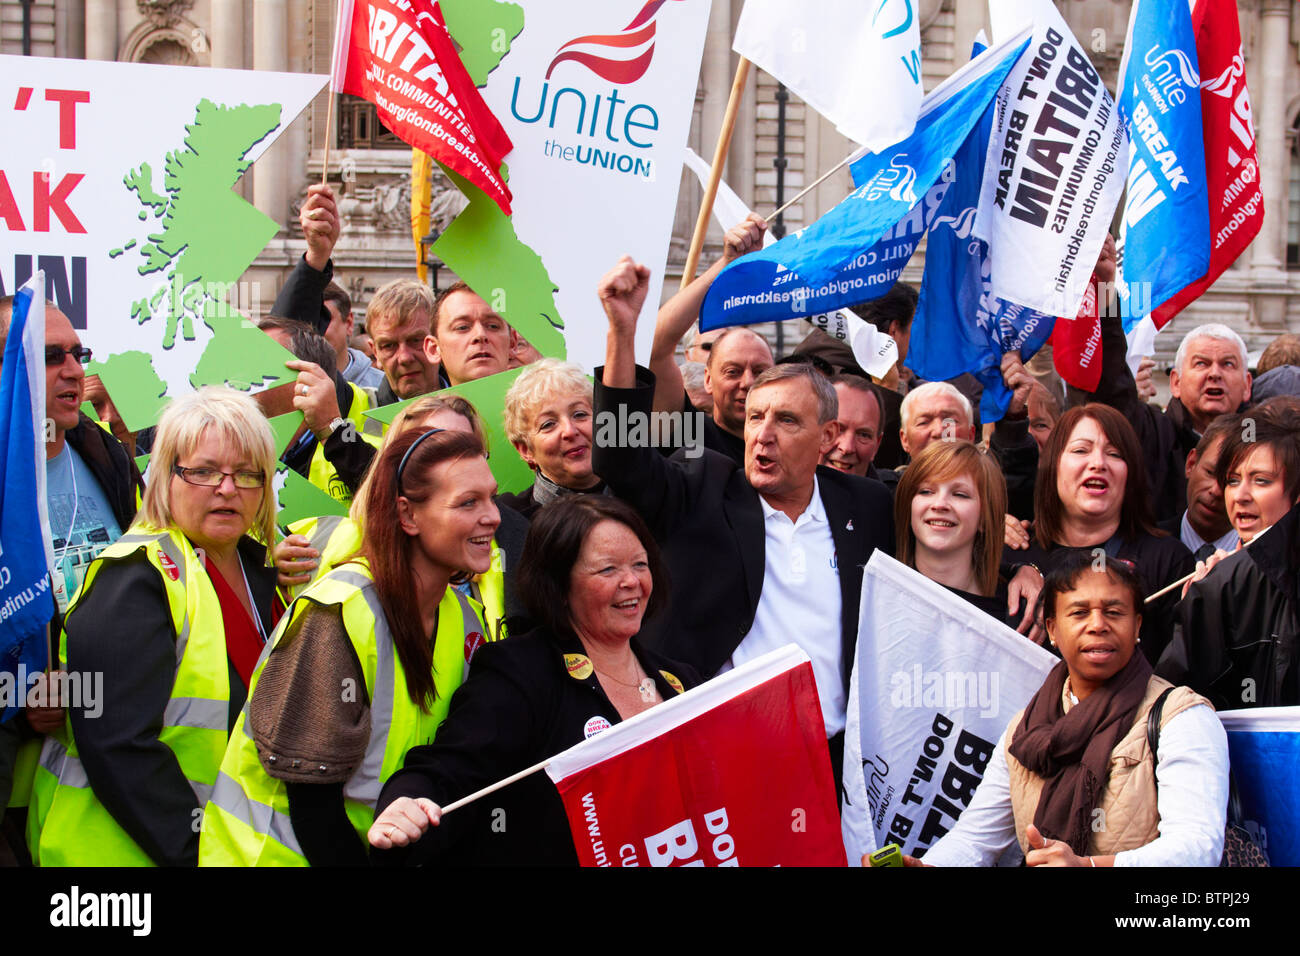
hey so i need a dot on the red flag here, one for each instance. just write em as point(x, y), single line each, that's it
point(1231, 165)
point(733, 773)
point(1076, 345)
point(402, 59)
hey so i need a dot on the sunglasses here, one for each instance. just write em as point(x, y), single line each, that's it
point(55, 354)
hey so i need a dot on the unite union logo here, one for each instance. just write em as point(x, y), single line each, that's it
point(621, 57)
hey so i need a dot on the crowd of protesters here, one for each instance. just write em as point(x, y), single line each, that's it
point(315, 694)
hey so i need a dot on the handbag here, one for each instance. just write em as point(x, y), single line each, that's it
point(1239, 848)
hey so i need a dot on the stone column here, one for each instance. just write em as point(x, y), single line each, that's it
point(271, 52)
point(226, 35)
point(969, 18)
point(1268, 96)
point(1268, 102)
point(101, 29)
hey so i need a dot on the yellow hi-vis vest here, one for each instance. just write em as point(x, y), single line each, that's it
point(324, 475)
point(338, 538)
point(247, 821)
point(67, 825)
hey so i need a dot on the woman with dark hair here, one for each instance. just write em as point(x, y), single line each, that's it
point(1238, 629)
point(1074, 780)
point(950, 511)
point(1091, 498)
point(362, 667)
point(591, 574)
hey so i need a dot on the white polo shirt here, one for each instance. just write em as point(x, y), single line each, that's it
point(801, 602)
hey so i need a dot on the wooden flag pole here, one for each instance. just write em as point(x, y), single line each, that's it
point(715, 174)
point(496, 786)
point(1183, 580)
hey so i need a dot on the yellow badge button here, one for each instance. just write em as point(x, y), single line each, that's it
point(673, 682)
point(578, 666)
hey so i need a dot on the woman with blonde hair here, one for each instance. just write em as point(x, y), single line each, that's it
point(549, 421)
point(174, 616)
point(950, 509)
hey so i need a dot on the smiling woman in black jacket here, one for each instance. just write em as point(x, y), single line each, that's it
point(591, 573)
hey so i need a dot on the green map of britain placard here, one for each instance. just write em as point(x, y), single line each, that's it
point(117, 180)
point(488, 396)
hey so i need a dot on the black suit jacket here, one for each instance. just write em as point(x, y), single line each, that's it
point(709, 522)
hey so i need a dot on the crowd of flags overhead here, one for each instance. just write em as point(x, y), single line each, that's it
point(1180, 132)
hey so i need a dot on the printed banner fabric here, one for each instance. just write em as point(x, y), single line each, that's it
point(830, 53)
point(733, 773)
point(1055, 167)
point(1165, 230)
point(1231, 166)
point(935, 683)
point(400, 57)
point(960, 326)
point(1076, 346)
point(857, 251)
point(26, 603)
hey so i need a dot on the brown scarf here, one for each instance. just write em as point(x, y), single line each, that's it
point(1071, 752)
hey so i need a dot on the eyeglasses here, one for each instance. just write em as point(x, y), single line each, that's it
point(212, 478)
point(55, 354)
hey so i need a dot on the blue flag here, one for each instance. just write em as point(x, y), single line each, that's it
point(857, 251)
point(1264, 747)
point(960, 326)
point(1165, 233)
point(26, 602)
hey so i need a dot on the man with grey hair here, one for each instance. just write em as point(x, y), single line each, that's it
point(1210, 377)
point(761, 553)
point(932, 411)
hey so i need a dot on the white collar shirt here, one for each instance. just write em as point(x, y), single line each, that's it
point(801, 602)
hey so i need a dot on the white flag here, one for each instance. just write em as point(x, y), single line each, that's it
point(874, 350)
point(1055, 167)
point(935, 683)
point(857, 64)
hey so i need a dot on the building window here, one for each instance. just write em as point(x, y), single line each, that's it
point(360, 128)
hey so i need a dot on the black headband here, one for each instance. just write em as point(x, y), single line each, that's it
point(401, 467)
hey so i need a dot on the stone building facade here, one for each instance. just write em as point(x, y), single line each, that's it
point(1260, 295)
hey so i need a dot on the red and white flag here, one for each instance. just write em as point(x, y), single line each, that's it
point(733, 773)
point(401, 58)
point(1231, 164)
point(1076, 346)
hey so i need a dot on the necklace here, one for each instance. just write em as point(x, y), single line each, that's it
point(645, 687)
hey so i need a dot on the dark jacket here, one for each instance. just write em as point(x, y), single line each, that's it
point(520, 705)
point(123, 630)
point(302, 295)
point(112, 467)
point(709, 521)
point(1017, 454)
point(1236, 631)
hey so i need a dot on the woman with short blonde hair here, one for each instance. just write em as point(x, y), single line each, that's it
point(549, 421)
point(174, 615)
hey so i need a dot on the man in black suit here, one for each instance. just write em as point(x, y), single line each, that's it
point(759, 555)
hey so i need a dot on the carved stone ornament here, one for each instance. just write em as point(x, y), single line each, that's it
point(163, 13)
